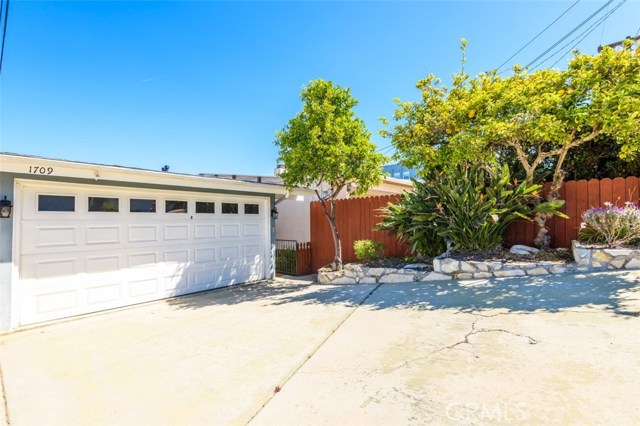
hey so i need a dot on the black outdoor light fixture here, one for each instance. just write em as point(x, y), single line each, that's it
point(5, 208)
point(274, 213)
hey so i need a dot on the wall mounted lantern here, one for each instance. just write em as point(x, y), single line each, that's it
point(5, 208)
point(274, 213)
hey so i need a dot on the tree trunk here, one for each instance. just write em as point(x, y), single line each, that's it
point(336, 265)
point(542, 240)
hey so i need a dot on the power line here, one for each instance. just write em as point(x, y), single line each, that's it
point(385, 149)
point(569, 34)
point(4, 31)
point(584, 33)
point(602, 32)
point(538, 35)
point(602, 21)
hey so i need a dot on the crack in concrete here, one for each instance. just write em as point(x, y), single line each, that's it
point(465, 341)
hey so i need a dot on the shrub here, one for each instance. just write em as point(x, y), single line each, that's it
point(366, 250)
point(470, 207)
point(611, 225)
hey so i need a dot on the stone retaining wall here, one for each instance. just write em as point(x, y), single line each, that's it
point(473, 269)
point(445, 268)
point(359, 274)
point(600, 258)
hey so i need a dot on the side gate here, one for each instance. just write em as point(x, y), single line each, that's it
point(293, 258)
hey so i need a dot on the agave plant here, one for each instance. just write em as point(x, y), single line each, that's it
point(471, 206)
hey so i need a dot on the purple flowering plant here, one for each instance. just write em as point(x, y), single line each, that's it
point(611, 225)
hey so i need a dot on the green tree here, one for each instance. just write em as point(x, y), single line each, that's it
point(535, 118)
point(327, 147)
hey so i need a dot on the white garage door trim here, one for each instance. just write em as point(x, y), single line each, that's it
point(83, 262)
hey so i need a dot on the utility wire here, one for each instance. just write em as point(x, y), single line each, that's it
point(584, 33)
point(569, 34)
point(4, 31)
point(385, 149)
point(538, 35)
point(585, 36)
point(602, 32)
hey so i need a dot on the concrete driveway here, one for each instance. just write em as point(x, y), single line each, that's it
point(558, 350)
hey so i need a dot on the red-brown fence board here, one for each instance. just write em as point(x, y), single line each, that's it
point(631, 189)
point(618, 191)
point(356, 218)
point(303, 259)
point(606, 191)
point(593, 195)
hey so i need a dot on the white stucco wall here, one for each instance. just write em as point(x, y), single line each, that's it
point(293, 220)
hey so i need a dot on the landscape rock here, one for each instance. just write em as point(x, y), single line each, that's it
point(397, 278)
point(480, 266)
point(537, 271)
point(482, 275)
point(601, 256)
point(633, 264)
point(435, 276)
point(463, 275)
point(467, 267)
point(522, 249)
point(617, 263)
point(449, 266)
point(509, 273)
point(376, 272)
point(344, 280)
point(416, 266)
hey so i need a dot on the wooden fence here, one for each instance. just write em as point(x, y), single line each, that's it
point(293, 258)
point(303, 259)
point(356, 217)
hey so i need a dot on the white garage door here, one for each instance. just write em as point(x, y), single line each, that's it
point(86, 248)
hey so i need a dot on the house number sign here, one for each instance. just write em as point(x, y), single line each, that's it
point(40, 170)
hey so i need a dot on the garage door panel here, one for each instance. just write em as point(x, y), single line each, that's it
point(176, 232)
point(207, 231)
point(142, 233)
point(206, 279)
point(251, 230)
point(176, 284)
point(103, 234)
point(105, 294)
point(143, 288)
point(61, 264)
point(205, 255)
point(229, 230)
point(78, 262)
point(107, 263)
point(176, 256)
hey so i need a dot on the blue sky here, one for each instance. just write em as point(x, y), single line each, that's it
point(204, 86)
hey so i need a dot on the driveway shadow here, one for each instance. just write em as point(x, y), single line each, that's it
point(617, 293)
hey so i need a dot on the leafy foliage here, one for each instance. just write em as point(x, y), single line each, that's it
point(611, 225)
point(533, 118)
point(422, 239)
point(327, 146)
point(471, 206)
point(367, 250)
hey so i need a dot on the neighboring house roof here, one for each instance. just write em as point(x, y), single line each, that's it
point(388, 185)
